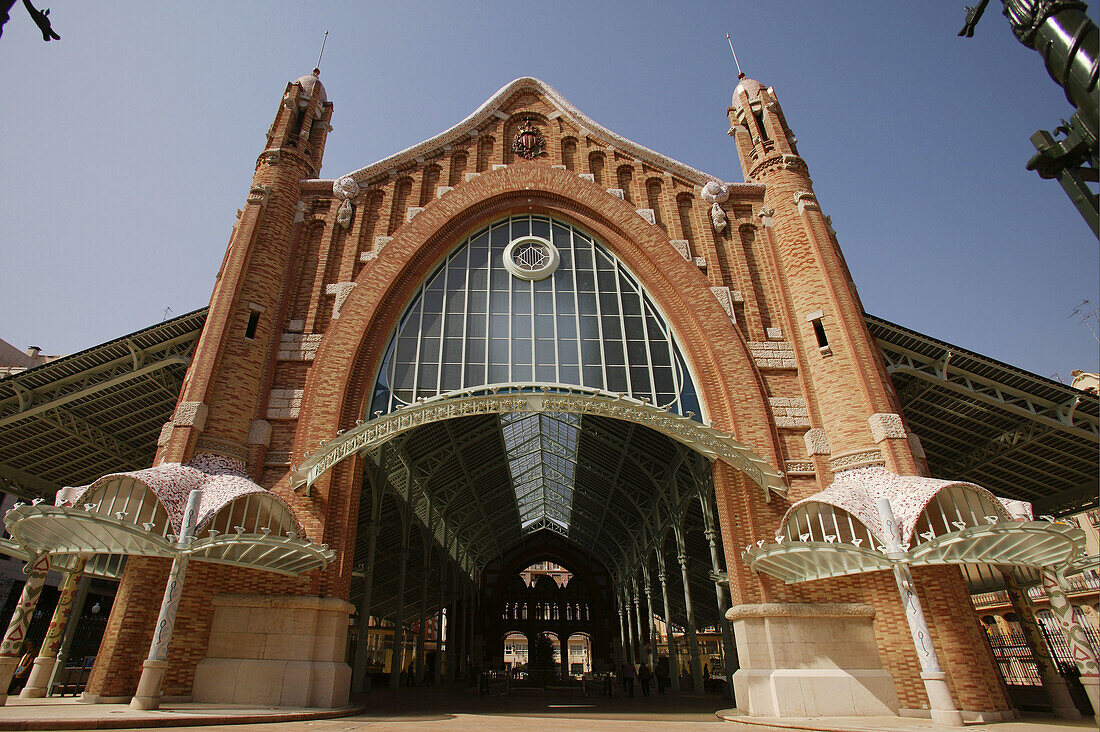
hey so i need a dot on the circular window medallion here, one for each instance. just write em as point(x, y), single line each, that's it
point(531, 258)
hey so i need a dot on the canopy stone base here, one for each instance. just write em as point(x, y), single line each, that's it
point(270, 650)
point(810, 660)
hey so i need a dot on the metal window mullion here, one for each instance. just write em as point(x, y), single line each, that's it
point(622, 326)
point(466, 316)
point(576, 306)
point(511, 292)
point(554, 313)
point(969, 507)
point(534, 363)
point(391, 367)
point(442, 326)
point(649, 350)
point(599, 312)
point(851, 524)
point(488, 296)
point(419, 339)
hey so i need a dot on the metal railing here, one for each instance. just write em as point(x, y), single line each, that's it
point(1017, 662)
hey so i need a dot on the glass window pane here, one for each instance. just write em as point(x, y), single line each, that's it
point(432, 324)
point(452, 350)
point(616, 378)
point(406, 350)
point(456, 301)
point(475, 374)
point(593, 376)
point(521, 302)
point(521, 350)
point(452, 377)
point(544, 326)
point(613, 352)
point(429, 351)
point(635, 330)
point(498, 351)
point(455, 322)
point(568, 352)
point(544, 351)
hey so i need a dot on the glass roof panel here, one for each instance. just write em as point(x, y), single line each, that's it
point(542, 458)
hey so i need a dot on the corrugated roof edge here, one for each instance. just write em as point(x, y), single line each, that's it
point(873, 320)
point(199, 316)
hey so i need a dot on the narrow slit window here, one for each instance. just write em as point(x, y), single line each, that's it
point(759, 115)
point(819, 331)
point(253, 321)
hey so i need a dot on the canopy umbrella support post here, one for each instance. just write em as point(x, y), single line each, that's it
point(152, 671)
point(38, 683)
point(1084, 655)
point(12, 645)
point(943, 706)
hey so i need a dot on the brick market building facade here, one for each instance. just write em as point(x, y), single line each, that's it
point(749, 279)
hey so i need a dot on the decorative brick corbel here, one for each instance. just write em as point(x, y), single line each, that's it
point(886, 426)
point(817, 443)
point(806, 201)
point(258, 195)
point(260, 433)
point(766, 215)
point(190, 414)
point(341, 290)
point(725, 299)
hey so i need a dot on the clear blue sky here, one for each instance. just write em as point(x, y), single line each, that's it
point(128, 146)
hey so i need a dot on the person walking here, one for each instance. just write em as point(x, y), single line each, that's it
point(629, 674)
point(662, 674)
point(644, 676)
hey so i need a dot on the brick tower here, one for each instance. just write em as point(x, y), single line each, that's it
point(232, 363)
point(220, 412)
point(855, 421)
point(852, 404)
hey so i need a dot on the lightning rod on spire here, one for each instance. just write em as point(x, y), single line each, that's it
point(740, 73)
point(322, 53)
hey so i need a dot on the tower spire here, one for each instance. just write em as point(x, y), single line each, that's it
point(317, 69)
point(740, 73)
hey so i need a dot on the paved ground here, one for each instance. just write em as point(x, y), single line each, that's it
point(428, 709)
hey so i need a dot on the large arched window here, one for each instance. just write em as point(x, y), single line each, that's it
point(533, 300)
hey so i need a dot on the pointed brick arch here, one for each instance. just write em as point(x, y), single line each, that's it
point(338, 387)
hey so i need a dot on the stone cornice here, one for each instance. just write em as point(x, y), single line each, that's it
point(801, 609)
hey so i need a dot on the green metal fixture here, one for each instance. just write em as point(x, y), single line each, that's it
point(1067, 39)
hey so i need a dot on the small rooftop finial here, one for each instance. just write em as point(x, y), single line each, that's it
point(317, 70)
point(740, 73)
